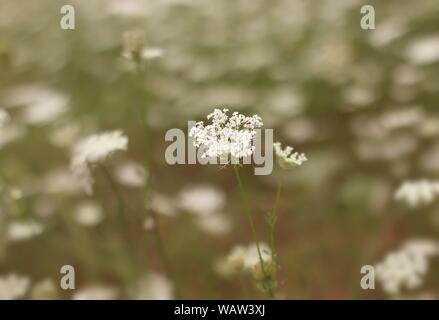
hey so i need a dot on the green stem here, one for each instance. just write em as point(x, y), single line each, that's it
point(273, 221)
point(147, 167)
point(252, 225)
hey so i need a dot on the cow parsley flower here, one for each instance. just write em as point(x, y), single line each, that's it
point(89, 213)
point(131, 174)
point(201, 199)
point(415, 193)
point(92, 150)
point(286, 158)
point(13, 286)
point(226, 136)
point(153, 286)
point(406, 266)
point(244, 258)
point(18, 231)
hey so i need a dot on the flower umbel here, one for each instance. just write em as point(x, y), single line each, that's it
point(92, 150)
point(415, 193)
point(407, 266)
point(286, 158)
point(226, 136)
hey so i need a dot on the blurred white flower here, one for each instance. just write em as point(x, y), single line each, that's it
point(23, 230)
point(216, 224)
point(149, 224)
point(94, 149)
point(4, 117)
point(154, 286)
point(244, 258)
point(424, 50)
point(358, 95)
point(286, 158)
point(201, 199)
point(89, 213)
point(161, 204)
point(226, 136)
point(415, 193)
point(45, 111)
point(151, 53)
point(407, 266)
point(402, 117)
point(95, 292)
point(13, 286)
point(130, 174)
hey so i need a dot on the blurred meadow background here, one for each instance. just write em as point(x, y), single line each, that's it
point(361, 104)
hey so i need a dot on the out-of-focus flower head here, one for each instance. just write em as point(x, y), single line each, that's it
point(415, 193)
point(23, 230)
point(407, 266)
point(89, 213)
point(13, 286)
point(244, 259)
point(153, 286)
point(92, 150)
point(201, 199)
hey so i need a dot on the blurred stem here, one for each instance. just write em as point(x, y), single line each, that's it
point(252, 225)
point(272, 220)
point(148, 177)
point(122, 205)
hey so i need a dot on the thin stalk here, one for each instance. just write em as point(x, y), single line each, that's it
point(273, 220)
point(148, 172)
point(252, 225)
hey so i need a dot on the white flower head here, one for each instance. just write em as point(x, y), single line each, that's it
point(154, 286)
point(244, 258)
point(89, 213)
point(18, 231)
point(131, 174)
point(201, 199)
point(13, 286)
point(406, 267)
point(226, 136)
point(286, 158)
point(215, 224)
point(92, 150)
point(415, 193)
point(151, 53)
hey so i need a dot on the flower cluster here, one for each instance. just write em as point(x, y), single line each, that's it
point(406, 266)
point(286, 158)
point(92, 150)
point(244, 259)
point(419, 192)
point(13, 286)
point(226, 136)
